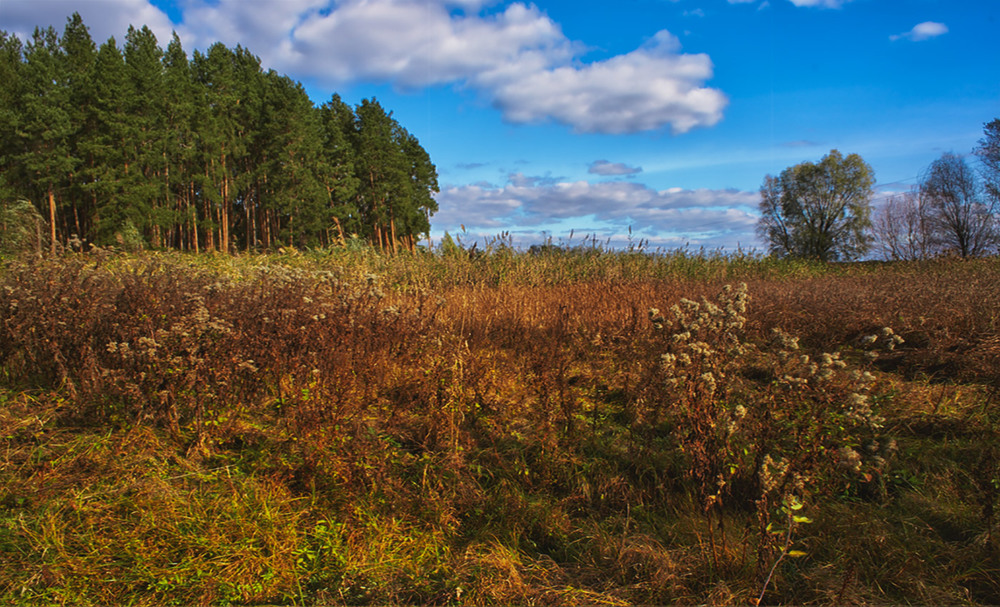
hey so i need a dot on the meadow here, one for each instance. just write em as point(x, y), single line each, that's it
point(576, 426)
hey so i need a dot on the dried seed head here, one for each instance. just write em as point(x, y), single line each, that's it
point(708, 382)
point(849, 458)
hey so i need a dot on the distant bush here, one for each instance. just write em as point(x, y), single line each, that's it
point(22, 228)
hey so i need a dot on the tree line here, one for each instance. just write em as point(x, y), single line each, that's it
point(141, 145)
point(824, 210)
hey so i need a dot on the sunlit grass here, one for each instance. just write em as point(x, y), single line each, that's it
point(341, 427)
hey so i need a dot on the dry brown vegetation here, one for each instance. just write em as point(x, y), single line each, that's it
point(582, 427)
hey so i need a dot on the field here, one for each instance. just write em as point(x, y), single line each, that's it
point(582, 426)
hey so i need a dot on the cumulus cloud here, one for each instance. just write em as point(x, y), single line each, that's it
point(644, 90)
point(105, 18)
point(517, 59)
point(412, 43)
point(610, 169)
point(922, 31)
point(725, 216)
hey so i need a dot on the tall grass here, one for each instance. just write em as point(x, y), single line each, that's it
point(339, 427)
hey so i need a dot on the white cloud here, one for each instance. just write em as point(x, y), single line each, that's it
point(518, 60)
point(411, 43)
point(478, 206)
point(104, 18)
point(922, 31)
point(609, 169)
point(760, 7)
point(820, 3)
point(644, 90)
point(525, 204)
point(262, 27)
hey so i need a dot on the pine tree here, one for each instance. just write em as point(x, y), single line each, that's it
point(11, 114)
point(250, 150)
point(144, 108)
point(44, 151)
point(339, 157)
point(79, 55)
point(416, 216)
point(383, 173)
point(221, 146)
point(107, 150)
point(178, 147)
point(295, 171)
point(396, 179)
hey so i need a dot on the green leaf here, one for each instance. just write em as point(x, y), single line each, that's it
point(797, 553)
point(802, 519)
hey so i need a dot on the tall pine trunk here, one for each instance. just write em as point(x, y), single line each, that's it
point(52, 219)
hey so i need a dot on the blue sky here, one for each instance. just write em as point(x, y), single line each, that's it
point(659, 115)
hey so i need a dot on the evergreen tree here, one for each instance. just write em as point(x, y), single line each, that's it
point(251, 150)
point(295, 172)
point(178, 147)
point(416, 216)
point(395, 178)
point(221, 146)
point(380, 169)
point(107, 150)
point(79, 55)
point(11, 115)
point(46, 125)
point(144, 107)
point(339, 158)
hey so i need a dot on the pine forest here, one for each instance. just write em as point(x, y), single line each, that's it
point(136, 146)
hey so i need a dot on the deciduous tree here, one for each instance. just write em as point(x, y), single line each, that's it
point(988, 152)
point(818, 210)
point(902, 228)
point(962, 216)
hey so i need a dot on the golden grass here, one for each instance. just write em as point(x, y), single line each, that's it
point(347, 428)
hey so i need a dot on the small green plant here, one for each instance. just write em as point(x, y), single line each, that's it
point(129, 238)
point(791, 507)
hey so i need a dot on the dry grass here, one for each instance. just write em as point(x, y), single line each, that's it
point(345, 428)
